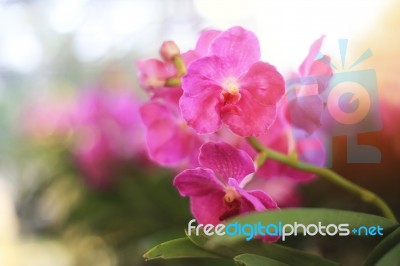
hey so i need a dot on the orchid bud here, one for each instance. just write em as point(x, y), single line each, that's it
point(169, 50)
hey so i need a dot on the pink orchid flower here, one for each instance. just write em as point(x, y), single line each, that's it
point(231, 86)
point(216, 189)
point(306, 104)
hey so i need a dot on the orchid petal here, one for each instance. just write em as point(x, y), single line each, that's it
point(226, 161)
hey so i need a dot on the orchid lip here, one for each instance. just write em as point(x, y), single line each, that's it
point(230, 194)
point(231, 86)
point(233, 90)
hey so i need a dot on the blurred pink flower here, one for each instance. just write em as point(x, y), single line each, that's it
point(283, 138)
point(216, 189)
point(108, 134)
point(232, 86)
point(153, 73)
point(305, 106)
point(48, 119)
point(169, 141)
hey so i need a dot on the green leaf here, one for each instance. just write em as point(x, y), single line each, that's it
point(391, 258)
point(177, 249)
point(256, 260)
point(222, 250)
point(273, 251)
point(308, 216)
point(387, 252)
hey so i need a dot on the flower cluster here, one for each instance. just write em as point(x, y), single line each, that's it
point(206, 102)
point(108, 134)
point(102, 129)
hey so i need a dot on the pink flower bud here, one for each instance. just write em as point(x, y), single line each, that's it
point(169, 50)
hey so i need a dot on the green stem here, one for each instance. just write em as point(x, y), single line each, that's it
point(326, 173)
point(173, 82)
point(180, 71)
point(179, 65)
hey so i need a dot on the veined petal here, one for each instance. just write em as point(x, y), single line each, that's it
point(200, 101)
point(238, 47)
point(256, 203)
point(197, 182)
point(203, 76)
point(226, 161)
point(249, 117)
point(264, 198)
point(201, 111)
point(208, 208)
point(261, 88)
point(264, 83)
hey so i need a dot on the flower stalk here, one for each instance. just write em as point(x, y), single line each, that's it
point(326, 173)
point(179, 65)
